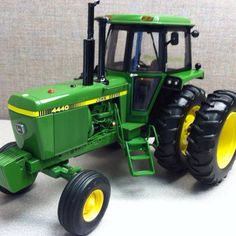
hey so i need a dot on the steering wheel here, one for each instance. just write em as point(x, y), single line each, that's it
point(142, 65)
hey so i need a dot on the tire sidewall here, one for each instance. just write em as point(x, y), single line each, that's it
point(205, 136)
point(222, 173)
point(79, 223)
point(8, 146)
point(73, 198)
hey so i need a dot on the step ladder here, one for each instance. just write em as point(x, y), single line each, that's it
point(136, 149)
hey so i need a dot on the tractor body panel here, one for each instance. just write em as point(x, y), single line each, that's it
point(188, 75)
point(36, 134)
point(73, 92)
point(59, 122)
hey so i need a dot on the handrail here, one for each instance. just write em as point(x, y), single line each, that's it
point(120, 132)
point(151, 127)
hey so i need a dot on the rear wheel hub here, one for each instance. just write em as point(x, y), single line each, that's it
point(185, 132)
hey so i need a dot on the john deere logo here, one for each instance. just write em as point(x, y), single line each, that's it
point(20, 129)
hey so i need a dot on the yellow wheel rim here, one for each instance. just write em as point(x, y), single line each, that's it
point(227, 141)
point(185, 132)
point(93, 205)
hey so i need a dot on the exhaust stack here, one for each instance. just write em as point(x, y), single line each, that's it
point(89, 46)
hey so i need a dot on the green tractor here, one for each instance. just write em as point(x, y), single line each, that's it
point(138, 90)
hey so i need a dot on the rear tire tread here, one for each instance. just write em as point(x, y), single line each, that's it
point(168, 127)
point(203, 145)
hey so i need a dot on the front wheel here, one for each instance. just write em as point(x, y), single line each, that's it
point(83, 202)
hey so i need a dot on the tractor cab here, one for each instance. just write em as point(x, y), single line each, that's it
point(148, 50)
point(149, 44)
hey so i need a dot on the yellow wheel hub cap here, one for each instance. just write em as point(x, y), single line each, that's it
point(185, 132)
point(227, 141)
point(93, 205)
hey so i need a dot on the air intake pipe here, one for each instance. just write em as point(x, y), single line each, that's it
point(102, 21)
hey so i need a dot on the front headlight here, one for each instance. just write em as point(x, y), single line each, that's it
point(173, 82)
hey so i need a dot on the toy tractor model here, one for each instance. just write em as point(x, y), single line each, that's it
point(138, 90)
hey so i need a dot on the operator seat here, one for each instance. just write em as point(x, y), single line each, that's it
point(154, 65)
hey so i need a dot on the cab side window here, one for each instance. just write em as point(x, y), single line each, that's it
point(116, 50)
point(177, 58)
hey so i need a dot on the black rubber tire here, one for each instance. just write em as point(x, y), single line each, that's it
point(73, 198)
point(22, 191)
point(169, 126)
point(2, 189)
point(114, 146)
point(7, 146)
point(204, 137)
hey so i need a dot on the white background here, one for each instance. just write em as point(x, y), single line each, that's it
point(162, 205)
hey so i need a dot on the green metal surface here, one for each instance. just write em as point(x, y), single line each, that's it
point(135, 147)
point(186, 76)
point(131, 130)
point(13, 173)
point(36, 165)
point(39, 137)
point(157, 20)
point(38, 99)
point(138, 149)
point(65, 171)
point(68, 123)
point(52, 134)
point(153, 133)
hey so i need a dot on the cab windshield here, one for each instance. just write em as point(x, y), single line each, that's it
point(145, 52)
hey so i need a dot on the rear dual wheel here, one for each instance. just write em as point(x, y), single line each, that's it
point(198, 134)
point(212, 142)
point(83, 202)
point(174, 126)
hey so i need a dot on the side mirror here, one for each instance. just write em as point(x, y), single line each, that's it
point(195, 34)
point(174, 38)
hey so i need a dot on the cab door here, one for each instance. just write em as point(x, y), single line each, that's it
point(143, 91)
point(146, 77)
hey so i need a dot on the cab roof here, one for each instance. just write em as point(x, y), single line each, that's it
point(148, 19)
